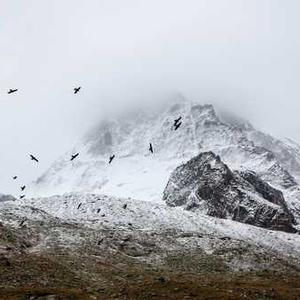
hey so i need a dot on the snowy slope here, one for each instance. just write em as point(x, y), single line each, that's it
point(137, 173)
point(142, 215)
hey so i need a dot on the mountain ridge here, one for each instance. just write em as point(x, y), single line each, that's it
point(138, 174)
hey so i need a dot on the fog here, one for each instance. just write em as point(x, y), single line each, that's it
point(241, 55)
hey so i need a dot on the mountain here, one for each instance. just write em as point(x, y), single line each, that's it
point(92, 246)
point(207, 184)
point(4, 198)
point(137, 173)
point(103, 231)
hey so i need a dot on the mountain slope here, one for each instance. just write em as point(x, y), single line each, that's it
point(137, 173)
point(205, 183)
point(54, 247)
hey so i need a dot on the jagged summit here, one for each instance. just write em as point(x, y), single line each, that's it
point(137, 174)
point(207, 184)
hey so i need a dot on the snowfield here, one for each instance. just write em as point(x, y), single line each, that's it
point(102, 227)
point(146, 216)
point(137, 173)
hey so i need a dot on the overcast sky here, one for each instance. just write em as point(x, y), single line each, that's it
point(243, 55)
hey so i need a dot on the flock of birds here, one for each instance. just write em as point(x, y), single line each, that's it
point(176, 125)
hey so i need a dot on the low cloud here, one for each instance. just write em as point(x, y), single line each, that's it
point(242, 56)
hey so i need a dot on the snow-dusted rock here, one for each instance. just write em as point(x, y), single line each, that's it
point(137, 173)
point(206, 183)
point(4, 197)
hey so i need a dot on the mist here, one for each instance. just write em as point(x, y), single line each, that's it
point(242, 56)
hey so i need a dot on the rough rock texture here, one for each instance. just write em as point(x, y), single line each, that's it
point(4, 198)
point(205, 182)
point(139, 174)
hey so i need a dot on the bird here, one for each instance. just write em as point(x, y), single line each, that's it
point(111, 158)
point(177, 125)
point(79, 205)
point(23, 187)
point(77, 89)
point(15, 177)
point(100, 241)
point(22, 196)
point(150, 148)
point(125, 206)
point(74, 156)
point(98, 210)
point(33, 158)
point(12, 91)
point(176, 121)
point(22, 222)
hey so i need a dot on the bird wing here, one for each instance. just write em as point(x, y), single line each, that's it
point(34, 158)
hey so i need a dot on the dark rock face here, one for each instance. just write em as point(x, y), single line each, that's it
point(206, 183)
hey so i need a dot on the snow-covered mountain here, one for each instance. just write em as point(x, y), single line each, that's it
point(137, 173)
point(188, 208)
point(205, 183)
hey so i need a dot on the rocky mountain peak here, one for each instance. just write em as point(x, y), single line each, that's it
point(206, 183)
point(137, 173)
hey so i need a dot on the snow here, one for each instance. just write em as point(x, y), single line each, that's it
point(149, 216)
point(138, 178)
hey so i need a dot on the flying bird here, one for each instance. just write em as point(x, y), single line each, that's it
point(77, 89)
point(177, 125)
point(150, 148)
point(22, 222)
point(22, 196)
point(125, 206)
point(100, 241)
point(176, 121)
point(33, 158)
point(98, 210)
point(111, 158)
point(12, 91)
point(23, 187)
point(74, 156)
point(79, 205)
point(15, 177)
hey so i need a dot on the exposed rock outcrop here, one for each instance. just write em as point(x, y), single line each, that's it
point(206, 183)
point(4, 197)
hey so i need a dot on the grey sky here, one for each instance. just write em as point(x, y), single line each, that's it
point(242, 55)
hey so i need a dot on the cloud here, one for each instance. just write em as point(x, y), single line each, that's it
point(242, 56)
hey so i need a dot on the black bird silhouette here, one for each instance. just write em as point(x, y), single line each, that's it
point(79, 205)
point(150, 148)
point(177, 120)
point(111, 158)
point(15, 177)
point(98, 210)
point(22, 222)
point(74, 156)
point(177, 125)
point(33, 158)
point(100, 241)
point(76, 90)
point(23, 187)
point(12, 91)
point(125, 206)
point(22, 196)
